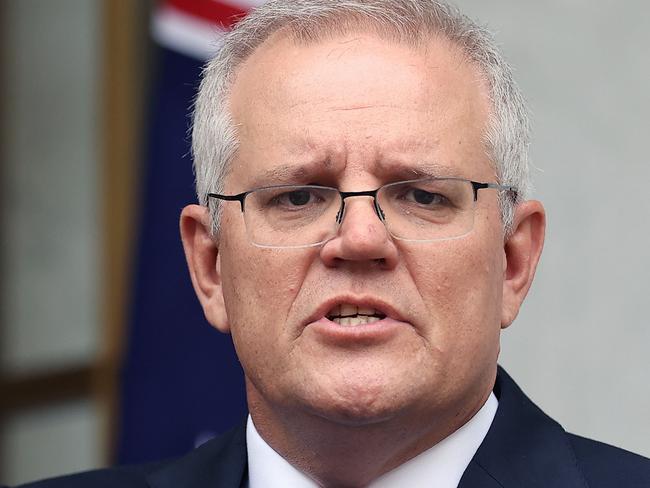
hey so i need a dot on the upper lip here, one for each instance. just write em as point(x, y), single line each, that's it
point(379, 305)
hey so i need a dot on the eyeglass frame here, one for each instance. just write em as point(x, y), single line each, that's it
point(476, 186)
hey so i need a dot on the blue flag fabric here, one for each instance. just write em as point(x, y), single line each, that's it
point(181, 381)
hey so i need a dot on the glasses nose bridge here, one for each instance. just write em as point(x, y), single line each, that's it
point(366, 193)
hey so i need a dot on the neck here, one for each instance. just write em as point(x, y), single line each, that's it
point(339, 454)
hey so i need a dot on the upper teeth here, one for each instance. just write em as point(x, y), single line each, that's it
point(348, 314)
point(355, 320)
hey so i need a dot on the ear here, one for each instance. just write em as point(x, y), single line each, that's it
point(204, 263)
point(522, 250)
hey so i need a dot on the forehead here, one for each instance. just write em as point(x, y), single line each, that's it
point(357, 102)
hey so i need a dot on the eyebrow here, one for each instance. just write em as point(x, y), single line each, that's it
point(280, 174)
point(392, 170)
point(408, 171)
point(286, 173)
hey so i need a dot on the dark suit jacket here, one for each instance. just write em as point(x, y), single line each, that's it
point(524, 448)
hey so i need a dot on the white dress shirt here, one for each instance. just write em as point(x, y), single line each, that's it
point(440, 466)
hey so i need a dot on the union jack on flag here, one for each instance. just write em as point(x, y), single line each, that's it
point(193, 27)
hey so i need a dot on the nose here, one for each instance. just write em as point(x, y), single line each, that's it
point(361, 237)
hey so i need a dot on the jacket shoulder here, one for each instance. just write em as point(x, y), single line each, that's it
point(120, 477)
point(605, 466)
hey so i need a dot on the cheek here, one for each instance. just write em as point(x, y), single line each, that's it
point(460, 286)
point(257, 282)
point(260, 291)
point(260, 287)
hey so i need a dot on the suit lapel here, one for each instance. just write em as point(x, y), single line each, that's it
point(476, 476)
point(524, 447)
point(220, 463)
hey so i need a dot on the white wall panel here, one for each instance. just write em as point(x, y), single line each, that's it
point(50, 441)
point(50, 192)
point(580, 346)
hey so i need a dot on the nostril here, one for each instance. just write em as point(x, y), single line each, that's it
point(380, 261)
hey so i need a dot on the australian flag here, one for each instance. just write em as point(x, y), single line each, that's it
point(181, 381)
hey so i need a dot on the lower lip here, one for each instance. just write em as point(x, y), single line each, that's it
point(373, 332)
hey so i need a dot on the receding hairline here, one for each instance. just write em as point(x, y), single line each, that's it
point(324, 34)
point(342, 23)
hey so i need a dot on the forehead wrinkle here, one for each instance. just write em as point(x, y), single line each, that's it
point(364, 106)
point(421, 169)
point(293, 173)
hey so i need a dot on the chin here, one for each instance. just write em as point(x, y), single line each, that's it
point(358, 404)
point(357, 416)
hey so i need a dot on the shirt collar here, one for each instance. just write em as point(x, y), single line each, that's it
point(441, 466)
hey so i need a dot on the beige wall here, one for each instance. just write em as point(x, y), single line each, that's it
point(580, 345)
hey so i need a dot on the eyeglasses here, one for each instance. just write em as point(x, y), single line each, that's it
point(423, 210)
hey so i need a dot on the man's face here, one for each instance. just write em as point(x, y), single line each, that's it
point(356, 112)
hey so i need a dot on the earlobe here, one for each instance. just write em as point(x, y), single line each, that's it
point(522, 250)
point(204, 263)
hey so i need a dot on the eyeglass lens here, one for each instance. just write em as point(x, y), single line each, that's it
point(301, 216)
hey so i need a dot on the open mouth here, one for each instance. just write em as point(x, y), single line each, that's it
point(351, 315)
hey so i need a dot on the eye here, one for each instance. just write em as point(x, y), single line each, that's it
point(293, 198)
point(426, 198)
point(298, 197)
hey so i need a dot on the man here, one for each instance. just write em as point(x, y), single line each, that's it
point(364, 235)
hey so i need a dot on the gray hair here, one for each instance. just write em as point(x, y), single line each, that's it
point(214, 137)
